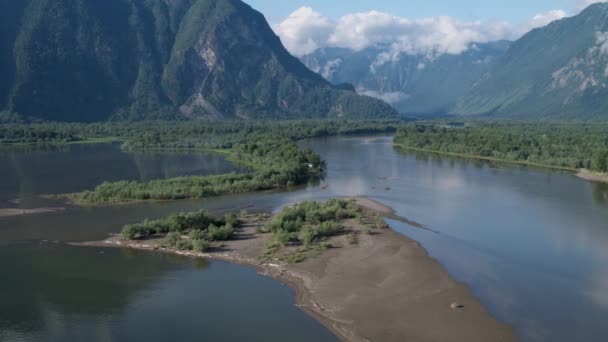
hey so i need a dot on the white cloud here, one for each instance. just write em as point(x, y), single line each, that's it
point(388, 97)
point(330, 68)
point(543, 19)
point(305, 30)
point(419, 36)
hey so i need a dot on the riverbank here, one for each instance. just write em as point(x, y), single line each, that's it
point(592, 176)
point(383, 288)
point(581, 173)
point(470, 156)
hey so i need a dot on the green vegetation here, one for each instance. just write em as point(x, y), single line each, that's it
point(276, 163)
point(185, 231)
point(554, 72)
point(147, 61)
point(184, 135)
point(568, 146)
point(304, 228)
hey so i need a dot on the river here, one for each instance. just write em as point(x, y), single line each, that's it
point(530, 243)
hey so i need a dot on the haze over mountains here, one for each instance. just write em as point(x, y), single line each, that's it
point(412, 83)
point(90, 60)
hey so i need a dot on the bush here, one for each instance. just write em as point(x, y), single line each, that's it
point(196, 224)
point(220, 233)
point(171, 240)
point(200, 245)
point(309, 222)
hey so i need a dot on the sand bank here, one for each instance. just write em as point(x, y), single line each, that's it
point(385, 288)
point(592, 176)
point(5, 212)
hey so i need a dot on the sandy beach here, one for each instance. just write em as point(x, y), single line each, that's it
point(384, 288)
point(591, 176)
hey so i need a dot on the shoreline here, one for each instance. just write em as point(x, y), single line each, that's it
point(9, 212)
point(580, 173)
point(592, 176)
point(387, 275)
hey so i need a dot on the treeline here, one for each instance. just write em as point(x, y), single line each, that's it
point(226, 134)
point(184, 134)
point(570, 146)
point(186, 231)
point(275, 163)
point(22, 134)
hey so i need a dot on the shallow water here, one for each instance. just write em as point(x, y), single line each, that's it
point(531, 243)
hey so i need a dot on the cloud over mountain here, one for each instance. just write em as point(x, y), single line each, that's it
point(306, 30)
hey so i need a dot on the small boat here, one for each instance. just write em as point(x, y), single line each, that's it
point(324, 187)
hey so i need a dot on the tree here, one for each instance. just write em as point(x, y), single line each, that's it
point(601, 161)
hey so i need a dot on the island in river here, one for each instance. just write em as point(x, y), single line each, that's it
point(368, 286)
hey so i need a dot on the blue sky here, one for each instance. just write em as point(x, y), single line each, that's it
point(513, 10)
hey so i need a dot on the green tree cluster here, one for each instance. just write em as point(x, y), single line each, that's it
point(570, 145)
point(186, 231)
point(310, 222)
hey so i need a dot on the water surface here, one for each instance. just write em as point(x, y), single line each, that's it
point(531, 243)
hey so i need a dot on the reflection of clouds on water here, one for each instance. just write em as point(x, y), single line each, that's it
point(597, 290)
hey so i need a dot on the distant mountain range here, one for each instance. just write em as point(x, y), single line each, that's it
point(555, 72)
point(92, 60)
point(412, 83)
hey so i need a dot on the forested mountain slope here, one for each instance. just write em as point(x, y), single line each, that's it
point(91, 60)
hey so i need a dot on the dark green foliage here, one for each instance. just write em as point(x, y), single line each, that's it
point(559, 145)
point(184, 135)
point(186, 231)
point(276, 163)
point(92, 60)
point(310, 222)
point(600, 163)
point(174, 223)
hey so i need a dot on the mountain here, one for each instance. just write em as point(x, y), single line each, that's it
point(558, 71)
point(412, 83)
point(92, 60)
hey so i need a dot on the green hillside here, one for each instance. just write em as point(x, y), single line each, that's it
point(89, 60)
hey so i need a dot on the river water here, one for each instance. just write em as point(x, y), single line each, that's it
point(530, 243)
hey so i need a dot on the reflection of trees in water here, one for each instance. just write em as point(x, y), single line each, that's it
point(452, 162)
point(600, 193)
point(74, 281)
point(168, 164)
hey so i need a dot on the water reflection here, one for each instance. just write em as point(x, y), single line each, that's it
point(600, 193)
point(25, 175)
point(530, 242)
point(62, 293)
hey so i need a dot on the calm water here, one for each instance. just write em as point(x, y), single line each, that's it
point(531, 244)
point(26, 174)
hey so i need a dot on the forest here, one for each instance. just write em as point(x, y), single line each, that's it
point(183, 135)
point(568, 146)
